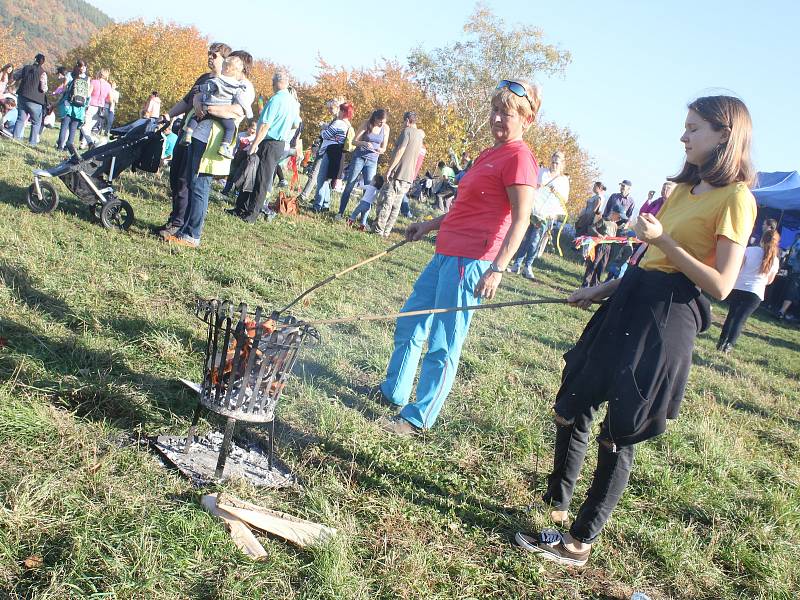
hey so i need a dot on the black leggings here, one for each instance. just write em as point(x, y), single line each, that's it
point(741, 305)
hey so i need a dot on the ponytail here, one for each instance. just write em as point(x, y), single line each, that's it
point(769, 243)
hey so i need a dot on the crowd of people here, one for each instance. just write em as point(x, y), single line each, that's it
point(498, 212)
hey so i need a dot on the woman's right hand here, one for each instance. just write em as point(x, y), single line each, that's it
point(584, 297)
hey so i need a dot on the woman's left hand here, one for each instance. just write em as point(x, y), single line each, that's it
point(648, 229)
point(487, 285)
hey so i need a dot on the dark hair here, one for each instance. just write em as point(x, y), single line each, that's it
point(348, 110)
point(222, 49)
point(441, 164)
point(770, 224)
point(769, 244)
point(410, 116)
point(154, 93)
point(5, 66)
point(600, 185)
point(730, 160)
point(378, 181)
point(62, 70)
point(76, 70)
point(246, 58)
point(39, 59)
point(377, 115)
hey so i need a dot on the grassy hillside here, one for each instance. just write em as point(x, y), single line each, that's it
point(51, 26)
point(97, 328)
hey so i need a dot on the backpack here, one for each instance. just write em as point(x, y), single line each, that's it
point(79, 92)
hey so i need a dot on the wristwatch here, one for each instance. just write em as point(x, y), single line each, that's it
point(495, 269)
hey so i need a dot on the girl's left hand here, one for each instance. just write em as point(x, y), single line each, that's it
point(487, 285)
point(648, 229)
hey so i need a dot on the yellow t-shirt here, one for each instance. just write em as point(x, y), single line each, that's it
point(695, 222)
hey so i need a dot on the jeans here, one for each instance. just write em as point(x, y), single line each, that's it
point(609, 480)
point(28, 111)
point(68, 125)
point(358, 166)
point(89, 123)
point(312, 179)
point(530, 245)
point(109, 124)
point(389, 200)
point(250, 204)
point(447, 281)
point(362, 210)
point(322, 199)
point(199, 185)
point(741, 305)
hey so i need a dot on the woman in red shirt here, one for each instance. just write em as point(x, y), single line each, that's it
point(476, 241)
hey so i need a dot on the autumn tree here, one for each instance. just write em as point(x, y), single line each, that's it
point(464, 74)
point(12, 45)
point(388, 85)
point(145, 57)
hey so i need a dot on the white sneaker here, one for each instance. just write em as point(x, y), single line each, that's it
point(338, 217)
point(513, 268)
point(528, 273)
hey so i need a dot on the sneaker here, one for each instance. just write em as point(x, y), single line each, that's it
point(225, 151)
point(168, 231)
point(528, 272)
point(283, 183)
point(513, 268)
point(398, 426)
point(338, 217)
point(551, 548)
point(183, 240)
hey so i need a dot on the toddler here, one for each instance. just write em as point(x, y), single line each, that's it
point(229, 88)
point(363, 208)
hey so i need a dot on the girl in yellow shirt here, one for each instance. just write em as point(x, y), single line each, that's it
point(636, 351)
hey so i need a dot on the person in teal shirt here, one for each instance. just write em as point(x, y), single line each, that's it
point(280, 116)
point(73, 110)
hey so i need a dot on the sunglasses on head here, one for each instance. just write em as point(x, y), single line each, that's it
point(515, 88)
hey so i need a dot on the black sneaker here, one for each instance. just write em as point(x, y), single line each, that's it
point(551, 548)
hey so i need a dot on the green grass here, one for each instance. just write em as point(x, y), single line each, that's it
point(99, 328)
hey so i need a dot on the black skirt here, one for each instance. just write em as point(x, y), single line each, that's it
point(636, 353)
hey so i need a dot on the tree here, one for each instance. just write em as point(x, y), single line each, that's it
point(389, 86)
point(11, 48)
point(145, 57)
point(464, 75)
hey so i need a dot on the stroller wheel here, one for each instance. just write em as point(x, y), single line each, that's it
point(116, 214)
point(48, 200)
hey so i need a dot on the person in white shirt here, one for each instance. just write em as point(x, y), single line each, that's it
point(549, 203)
point(758, 270)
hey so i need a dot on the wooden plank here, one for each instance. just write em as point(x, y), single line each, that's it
point(238, 529)
point(293, 529)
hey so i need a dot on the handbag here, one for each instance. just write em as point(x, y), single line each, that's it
point(286, 205)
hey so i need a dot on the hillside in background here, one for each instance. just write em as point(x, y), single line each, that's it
point(50, 26)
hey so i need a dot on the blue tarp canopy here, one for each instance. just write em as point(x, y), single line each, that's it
point(778, 197)
point(779, 190)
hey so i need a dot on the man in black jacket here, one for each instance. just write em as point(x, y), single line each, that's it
point(31, 98)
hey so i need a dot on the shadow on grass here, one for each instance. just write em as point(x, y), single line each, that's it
point(96, 384)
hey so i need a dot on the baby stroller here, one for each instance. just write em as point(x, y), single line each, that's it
point(89, 176)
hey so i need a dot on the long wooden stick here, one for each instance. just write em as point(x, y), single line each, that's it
point(436, 311)
point(240, 532)
point(327, 280)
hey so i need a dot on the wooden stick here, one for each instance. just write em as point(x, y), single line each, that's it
point(293, 529)
point(340, 273)
point(238, 529)
point(435, 311)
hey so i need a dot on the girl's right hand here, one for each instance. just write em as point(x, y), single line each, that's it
point(584, 297)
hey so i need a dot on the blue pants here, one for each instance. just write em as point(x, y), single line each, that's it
point(69, 125)
point(446, 282)
point(362, 210)
point(33, 112)
point(357, 167)
point(199, 189)
point(530, 245)
point(323, 198)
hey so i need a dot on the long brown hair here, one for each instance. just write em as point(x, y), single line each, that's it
point(769, 244)
point(730, 161)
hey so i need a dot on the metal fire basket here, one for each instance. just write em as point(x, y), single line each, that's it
point(248, 359)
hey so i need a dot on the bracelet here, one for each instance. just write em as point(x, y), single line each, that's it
point(495, 269)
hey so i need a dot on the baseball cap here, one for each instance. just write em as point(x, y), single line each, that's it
point(626, 182)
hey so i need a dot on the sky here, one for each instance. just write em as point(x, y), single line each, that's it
point(635, 64)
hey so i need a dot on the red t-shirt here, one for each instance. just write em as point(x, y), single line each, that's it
point(481, 215)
